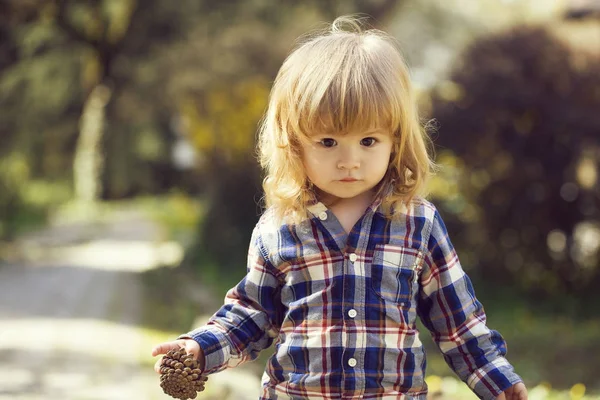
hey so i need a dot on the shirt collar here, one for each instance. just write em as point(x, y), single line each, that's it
point(318, 207)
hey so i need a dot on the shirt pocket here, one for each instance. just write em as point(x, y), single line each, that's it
point(394, 273)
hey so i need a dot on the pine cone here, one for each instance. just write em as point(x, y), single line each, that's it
point(180, 377)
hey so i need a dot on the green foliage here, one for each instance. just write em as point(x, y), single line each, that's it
point(167, 305)
point(212, 127)
point(521, 114)
point(37, 94)
point(24, 202)
point(233, 209)
point(544, 345)
point(204, 63)
point(177, 212)
point(447, 388)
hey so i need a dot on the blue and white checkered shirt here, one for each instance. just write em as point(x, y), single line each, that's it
point(342, 309)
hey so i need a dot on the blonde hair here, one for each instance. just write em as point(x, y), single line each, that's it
point(341, 80)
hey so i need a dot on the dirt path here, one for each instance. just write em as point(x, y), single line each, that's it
point(70, 309)
point(68, 313)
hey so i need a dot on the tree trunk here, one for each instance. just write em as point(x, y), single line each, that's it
point(88, 162)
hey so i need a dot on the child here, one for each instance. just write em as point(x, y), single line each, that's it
point(347, 253)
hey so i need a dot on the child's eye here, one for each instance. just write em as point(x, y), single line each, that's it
point(368, 142)
point(328, 142)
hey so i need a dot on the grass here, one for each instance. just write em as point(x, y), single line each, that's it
point(547, 350)
point(178, 213)
point(445, 388)
point(168, 302)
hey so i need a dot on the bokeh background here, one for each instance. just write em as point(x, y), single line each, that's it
point(129, 184)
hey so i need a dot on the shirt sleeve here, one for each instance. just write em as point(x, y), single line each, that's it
point(449, 309)
point(249, 319)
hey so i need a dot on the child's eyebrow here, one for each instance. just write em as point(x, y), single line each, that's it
point(360, 133)
point(372, 132)
point(324, 134)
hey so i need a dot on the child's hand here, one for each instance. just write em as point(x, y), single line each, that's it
point(190, 346)
point(517, 391)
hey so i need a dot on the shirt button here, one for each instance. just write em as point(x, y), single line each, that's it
point(352, 313)
point(323, 216)
point(352, 362)
point(353, 257)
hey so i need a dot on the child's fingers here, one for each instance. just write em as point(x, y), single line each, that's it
point(157, 365)
point(523, 394)
point(520, 391)
point(164, 348)
point(191, 347)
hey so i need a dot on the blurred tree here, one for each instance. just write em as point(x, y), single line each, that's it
point(521, 112)
point(101, 27)
point(50, 61)
point(36, 101)
point(104, 82)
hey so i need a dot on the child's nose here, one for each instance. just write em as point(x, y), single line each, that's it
point(348, 159)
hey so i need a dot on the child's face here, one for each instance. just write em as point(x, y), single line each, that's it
point(345, 166)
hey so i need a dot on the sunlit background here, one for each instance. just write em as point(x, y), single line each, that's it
point(129, 184)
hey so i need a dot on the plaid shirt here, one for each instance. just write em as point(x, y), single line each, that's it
point(342, 309)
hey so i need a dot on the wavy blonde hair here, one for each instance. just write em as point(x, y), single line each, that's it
point(343, 79)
